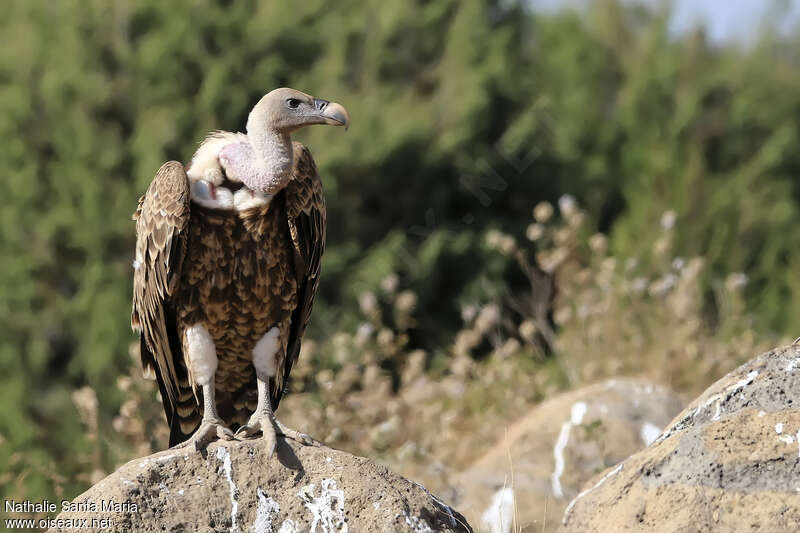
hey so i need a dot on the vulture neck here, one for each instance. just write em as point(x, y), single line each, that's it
point(275, 155)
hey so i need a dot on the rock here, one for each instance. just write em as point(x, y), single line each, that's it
point(232, 486)
point(729, 462)
point(549, 454)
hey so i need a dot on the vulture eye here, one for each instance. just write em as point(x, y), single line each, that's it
point(293, 103)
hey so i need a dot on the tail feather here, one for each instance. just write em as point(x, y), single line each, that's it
point(183, 413)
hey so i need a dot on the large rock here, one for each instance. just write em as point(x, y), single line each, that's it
point(234, 487)
point(549, 454)
point(728, 462)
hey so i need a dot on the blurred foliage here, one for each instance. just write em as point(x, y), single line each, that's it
point(465, 115)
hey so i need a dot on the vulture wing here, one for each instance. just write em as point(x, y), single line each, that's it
point(305, 208)
point(162, 220)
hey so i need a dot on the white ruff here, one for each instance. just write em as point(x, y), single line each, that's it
point(244, 199)
point(202, 354)
point(205, 161)
point(199, 193)
point(264, 353)
point(241, 200)
point(275, 153)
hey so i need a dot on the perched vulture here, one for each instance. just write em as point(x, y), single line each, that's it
point(227, 264)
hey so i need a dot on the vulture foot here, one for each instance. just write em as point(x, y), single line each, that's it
point(209, 431)
point(263, 421)
point(293, 434)
point(266, 423)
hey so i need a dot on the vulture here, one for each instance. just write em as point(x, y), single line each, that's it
point(226, 266)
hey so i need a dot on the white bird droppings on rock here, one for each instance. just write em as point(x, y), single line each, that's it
point(327, 508)
point(577, 413)
point(225, 457)
point(289, 526)
point(498, 516)
point(718, 398)
point(576, 417)
point(649, 433)
point(417, 525)
point(779, 428)
point(789, 439)
point(266, 508)
point(717, 410)
point(745, 381)
point(797, 438)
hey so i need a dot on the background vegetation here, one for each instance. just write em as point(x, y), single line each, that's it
point(667, 166)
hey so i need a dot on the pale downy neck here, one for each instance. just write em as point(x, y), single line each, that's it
point(274, 156)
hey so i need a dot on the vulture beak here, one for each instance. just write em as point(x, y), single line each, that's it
point(332, 113)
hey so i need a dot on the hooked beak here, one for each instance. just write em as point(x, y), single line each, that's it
point(332, 113)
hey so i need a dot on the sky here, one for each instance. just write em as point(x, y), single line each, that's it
point(725, 20)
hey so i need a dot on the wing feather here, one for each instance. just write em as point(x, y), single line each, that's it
point(162, 219)
point(305, 209)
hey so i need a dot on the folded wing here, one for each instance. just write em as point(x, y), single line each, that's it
point(305, 209)
point(162, 220)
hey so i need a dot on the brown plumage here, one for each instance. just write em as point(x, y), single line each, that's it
point(245, 274)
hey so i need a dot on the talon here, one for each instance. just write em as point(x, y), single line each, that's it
point(258, 422)
point(246, 431)
point(293, 434)
point(224, 433)
point(263, 419)
point(271, 443)
point(209, 431)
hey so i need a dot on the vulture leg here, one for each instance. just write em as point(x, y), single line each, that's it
point(211, 426)
point(199, 345)
point(263, 419)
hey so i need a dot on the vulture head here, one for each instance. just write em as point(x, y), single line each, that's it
point(263, 160)
point(287, 110)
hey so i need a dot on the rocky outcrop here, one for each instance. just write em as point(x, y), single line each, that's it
point(232, 486)
point(729, 462)
point(545, 458)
